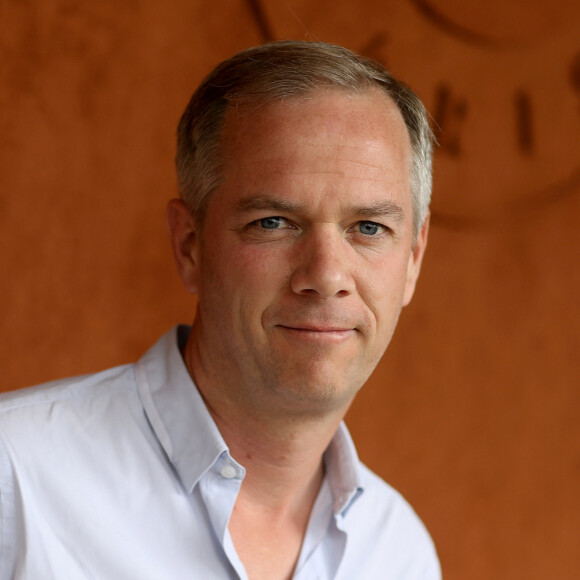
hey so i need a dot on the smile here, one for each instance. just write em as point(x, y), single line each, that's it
point(318, 334)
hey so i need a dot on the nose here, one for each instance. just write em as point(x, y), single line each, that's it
point(323, 266)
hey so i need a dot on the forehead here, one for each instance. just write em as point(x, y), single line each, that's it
point(346, 113)
point(331, 142)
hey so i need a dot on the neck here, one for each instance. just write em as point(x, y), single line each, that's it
point(283, 463)
point(280, 442)
point(281, 450)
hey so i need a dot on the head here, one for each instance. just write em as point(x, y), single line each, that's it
point(279, 71)
point(305, 176)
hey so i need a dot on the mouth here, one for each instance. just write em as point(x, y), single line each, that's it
point(328, 334)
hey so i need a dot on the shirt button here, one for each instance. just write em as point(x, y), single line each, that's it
point(228, 471)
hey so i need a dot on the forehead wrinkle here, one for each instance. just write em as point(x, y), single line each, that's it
point(318, 163)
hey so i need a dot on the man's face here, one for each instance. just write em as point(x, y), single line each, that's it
point(305, 256)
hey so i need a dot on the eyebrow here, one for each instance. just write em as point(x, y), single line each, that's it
point(383, 208)
point(260, 202)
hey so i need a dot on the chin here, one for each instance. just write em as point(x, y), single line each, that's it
point(318, 394)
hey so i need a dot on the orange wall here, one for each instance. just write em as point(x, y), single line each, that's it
point(473, 413)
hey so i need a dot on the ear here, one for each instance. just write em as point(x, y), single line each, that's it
point(183, 234)
point(415, 259)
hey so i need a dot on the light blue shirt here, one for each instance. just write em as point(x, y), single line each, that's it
point(123, 475)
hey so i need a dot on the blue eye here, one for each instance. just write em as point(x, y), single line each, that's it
point(369, 228)
point(270, 223)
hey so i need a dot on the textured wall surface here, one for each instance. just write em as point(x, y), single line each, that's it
point(473, 413)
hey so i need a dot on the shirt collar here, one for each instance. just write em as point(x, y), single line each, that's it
point(191, 439)
point(343, 469)
point(175, 409)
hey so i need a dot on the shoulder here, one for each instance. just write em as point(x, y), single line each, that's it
point(48, 435)
point(58, 431)
point(67, 390)
point(383, 519)
point(27, 413)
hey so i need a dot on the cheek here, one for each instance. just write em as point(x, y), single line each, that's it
point(246, 278)
point(382, 287)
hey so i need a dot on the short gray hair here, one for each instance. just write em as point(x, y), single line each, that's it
point(274, 72)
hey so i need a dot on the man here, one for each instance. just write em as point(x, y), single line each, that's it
point(304, 173)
